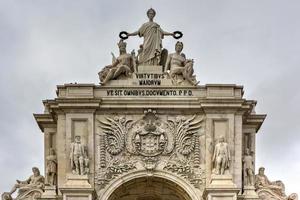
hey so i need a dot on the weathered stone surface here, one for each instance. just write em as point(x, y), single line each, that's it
point(149, 131)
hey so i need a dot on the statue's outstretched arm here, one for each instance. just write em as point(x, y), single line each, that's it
point(167, 33)
point(133, 34)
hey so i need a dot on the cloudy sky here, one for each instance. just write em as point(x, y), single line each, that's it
point(255, 43)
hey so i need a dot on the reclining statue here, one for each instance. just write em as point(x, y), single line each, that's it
point(179, 65)
point(122, 65)
point(31, 188)
point(267, 189)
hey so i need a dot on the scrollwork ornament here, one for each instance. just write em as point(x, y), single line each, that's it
point(185, 131)
point(115, 130)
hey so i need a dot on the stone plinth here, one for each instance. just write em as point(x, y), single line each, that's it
point(249, 193)
point(77, 187)
point(154, 69)
point(50, 193)
point(221, 188)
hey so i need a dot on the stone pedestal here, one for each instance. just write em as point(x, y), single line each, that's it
point(249, 193)
point(221, 188)
point(154, 69)
point(77, 187)
point(50, 193)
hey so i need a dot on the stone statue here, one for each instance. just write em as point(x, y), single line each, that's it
point(179, 65)
point(30, 188)
point(124, 64)
point(262, 182)
point(271, 190)
point(248, 168)
point(77, 156)
point(51, 168)
point(152, 45)
point(221, 157)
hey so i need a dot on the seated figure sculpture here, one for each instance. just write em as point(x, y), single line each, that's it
point(35, 183)
point(179, 65)
point(262, 182)
point(124, 64)
point(267, 189)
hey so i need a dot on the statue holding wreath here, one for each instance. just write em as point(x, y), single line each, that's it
point(151, 50)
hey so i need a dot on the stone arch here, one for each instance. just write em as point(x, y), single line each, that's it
point(179, 186)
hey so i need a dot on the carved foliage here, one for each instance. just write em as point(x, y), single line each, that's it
point(185, 132)
point(115, 129)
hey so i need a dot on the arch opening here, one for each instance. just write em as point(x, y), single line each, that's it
point(149, 188)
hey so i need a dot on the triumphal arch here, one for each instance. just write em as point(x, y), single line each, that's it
point(149, 131)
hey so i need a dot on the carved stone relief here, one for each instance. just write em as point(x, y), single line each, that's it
point(150, 142)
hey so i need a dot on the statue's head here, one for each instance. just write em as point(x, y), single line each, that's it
point(261, 171)
point(36, 171)
point(178, 46)
point(151, 13)
point(77, 138)
point(247, 151)
point(52, 151)
point(222, 139)
point(122, 45)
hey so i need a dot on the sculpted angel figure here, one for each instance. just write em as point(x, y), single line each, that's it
point(35, 181)
point(221, 157)
point(152, 45)
point(124, 64)
point(179, 65)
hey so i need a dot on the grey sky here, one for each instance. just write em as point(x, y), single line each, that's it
point(254, 43)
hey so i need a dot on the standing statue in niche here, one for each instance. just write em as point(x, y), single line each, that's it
point(28, 189)
point(248, 168)
point(77, 156)
point(179, 65)
point(150, 51)
point(125, 64)
point(221, 158)
point(51, 168)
